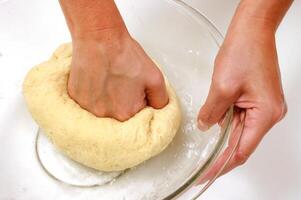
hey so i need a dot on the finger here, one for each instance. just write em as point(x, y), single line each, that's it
point(156, 93)
point(122, 114)
point(254, 131)
point(219, 99)
point(255, 128)
point(236, 128)
point(258, 123)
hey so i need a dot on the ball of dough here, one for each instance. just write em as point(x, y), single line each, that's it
point(101, 143)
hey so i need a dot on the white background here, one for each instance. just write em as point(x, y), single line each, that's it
point(272, 173)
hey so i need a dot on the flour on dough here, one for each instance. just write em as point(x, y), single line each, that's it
point(101, 143)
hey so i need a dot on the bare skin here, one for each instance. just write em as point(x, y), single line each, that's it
point(247, 75)
point(111, 76)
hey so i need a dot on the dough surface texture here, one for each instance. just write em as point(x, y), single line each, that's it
point(101, 143)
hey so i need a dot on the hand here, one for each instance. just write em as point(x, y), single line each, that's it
point(113, 76)
point(246, 75)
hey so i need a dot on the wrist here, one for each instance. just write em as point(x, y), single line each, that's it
point(93, 19)
point(251, 29)
point(259, 16)
point(100, 34)
point(109, 44)
point(250, 39)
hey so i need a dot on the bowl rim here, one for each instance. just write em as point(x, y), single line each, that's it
point(225, 132)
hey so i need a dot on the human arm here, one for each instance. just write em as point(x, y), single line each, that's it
point(247, 75)
point(111, 75)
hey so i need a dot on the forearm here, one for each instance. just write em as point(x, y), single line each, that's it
point(89, 18)
point(259, 16)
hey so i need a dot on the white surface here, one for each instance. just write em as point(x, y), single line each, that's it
point(273, 172)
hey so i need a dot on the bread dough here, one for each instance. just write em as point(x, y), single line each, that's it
point(101, 143)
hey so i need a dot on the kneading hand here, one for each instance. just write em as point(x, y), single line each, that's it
point(111, 75)
point(114, 78)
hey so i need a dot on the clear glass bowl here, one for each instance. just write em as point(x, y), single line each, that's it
point(184, 43)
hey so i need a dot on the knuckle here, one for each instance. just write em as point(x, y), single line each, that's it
point(99, 112)
point(278, 110)
point(223, 87)
point(285, 110)
point(240, 157)
point(122, 116)
point(83, 102)
point(156, 79)
point(138, 107)
point(71, 91)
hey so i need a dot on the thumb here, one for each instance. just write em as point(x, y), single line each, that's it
point(156, 93)
point(219, 99)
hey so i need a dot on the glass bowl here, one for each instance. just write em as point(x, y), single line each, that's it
point(184, 43)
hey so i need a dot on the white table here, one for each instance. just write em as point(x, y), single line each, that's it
point(273, 172)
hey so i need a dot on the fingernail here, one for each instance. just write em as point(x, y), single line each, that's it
point(203, 126)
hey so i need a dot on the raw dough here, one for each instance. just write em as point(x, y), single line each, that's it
point(100, 143)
